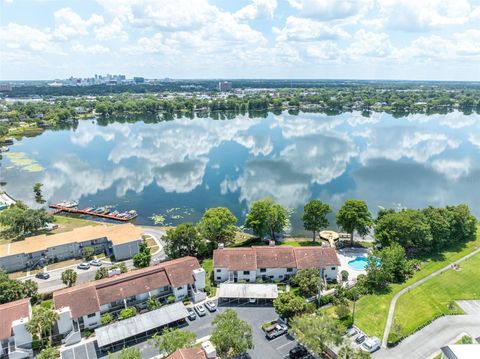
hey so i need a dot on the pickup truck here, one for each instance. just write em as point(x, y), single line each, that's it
point(276, 331)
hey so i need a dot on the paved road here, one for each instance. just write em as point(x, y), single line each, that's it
point(202, 327)
point(391, 310)
point(427, 341)
point(84, 276)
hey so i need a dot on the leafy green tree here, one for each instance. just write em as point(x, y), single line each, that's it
point(266, 217)
point(218, 226)
point(409, 228)
point(11, 289)
point(347, 352)
point(49, 353)
point(315, 216)
point(184, 240)
point(69, 277)
point(88, 252)
point(231, 336)
point(130, 353)
point(439, 221)
point(37, 191)
point(287, 305)
point(143, 257)
point(317, 332)
point(376, 278)
point(21, 220)
point(354, 216)
point(307, 281)
point(394, 263)
point(42, 321)
point(463, 224)
point(173, 339)
point(106, 318)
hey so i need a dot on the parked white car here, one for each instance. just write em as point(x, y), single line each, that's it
point(371, 344)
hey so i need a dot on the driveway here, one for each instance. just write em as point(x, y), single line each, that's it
point(430, 339)
point(202, 327)
point(84, 276)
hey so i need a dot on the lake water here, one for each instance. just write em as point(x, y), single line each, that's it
point(179, 168)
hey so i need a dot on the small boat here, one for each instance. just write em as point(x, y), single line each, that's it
point(107, 211)
point(115, 213)
point(100, 210)
point(68, 204)
point(91, 209)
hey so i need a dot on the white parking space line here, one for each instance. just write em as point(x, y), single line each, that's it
point(286, 344)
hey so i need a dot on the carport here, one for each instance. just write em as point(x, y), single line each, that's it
point(243, 292)
point(139, 327)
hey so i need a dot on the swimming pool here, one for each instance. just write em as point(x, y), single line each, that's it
point(358, 263)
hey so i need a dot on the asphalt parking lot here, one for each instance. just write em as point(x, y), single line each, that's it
point(202, 326)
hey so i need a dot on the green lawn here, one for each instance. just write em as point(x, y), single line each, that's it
point(372, 310)
point(432, 298)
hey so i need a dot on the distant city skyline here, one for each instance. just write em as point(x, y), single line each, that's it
point(203, 39)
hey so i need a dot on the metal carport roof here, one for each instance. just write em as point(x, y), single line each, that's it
point(139, 324)
point(245, 290)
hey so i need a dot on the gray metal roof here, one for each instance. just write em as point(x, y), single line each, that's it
point(239, 290)
point(140, 324)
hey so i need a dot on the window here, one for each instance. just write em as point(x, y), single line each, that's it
point(219, 278)
point(246, 272)
point(219, 270)
point(270, 276)
point(333, 268)
point(280, 276)
point(289, 269)
point(91, 315)
point(247, 280)
point(263, 270)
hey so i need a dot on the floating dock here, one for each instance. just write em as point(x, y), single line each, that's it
point(58, 209)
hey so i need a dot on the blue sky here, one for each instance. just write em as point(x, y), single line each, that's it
point(356, 39)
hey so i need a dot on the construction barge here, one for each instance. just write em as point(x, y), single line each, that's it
point(102, 212)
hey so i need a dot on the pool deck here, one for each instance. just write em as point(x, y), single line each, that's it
point(347, 254)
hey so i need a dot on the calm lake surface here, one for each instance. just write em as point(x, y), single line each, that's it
point(179, 168)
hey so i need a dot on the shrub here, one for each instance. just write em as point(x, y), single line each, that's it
point(171, 299)
point(326, 299)
point(106, 319)
point(344, 275)
point(153, 304)
point(47, 304)
point(88, 252)
point(127, 313)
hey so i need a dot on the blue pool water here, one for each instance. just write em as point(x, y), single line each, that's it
point(358, 263)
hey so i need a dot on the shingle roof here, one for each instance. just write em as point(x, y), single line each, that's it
point(9, 312)
point(235, 258)
point(191, 353)
point(274, 257)
point(175, 273)
point(82, 300)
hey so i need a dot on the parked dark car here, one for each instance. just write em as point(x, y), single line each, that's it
point(360, 339)
point(211, 306)
point(278, 330)
point(297, 352)
point(42, 275)
point(191, 314)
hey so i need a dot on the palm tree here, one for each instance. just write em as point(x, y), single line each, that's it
point(42, 322)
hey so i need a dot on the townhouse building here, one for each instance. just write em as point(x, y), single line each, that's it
point(272, 263)
point(15, 340)
point(81, 306)
point(121, 241)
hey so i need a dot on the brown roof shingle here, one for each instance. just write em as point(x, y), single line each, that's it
point(191, 353)
point(235, 258)
point(82, 300)
point(176, 273)
point(274, 257)
point(315, 257)
point(9, 312)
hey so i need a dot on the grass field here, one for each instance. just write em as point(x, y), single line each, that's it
point(432, 298)
point(372, 310)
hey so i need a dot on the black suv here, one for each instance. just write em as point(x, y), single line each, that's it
point(297, 352)
point(42, 275)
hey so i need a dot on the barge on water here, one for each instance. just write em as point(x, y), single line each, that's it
point(94, 211)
